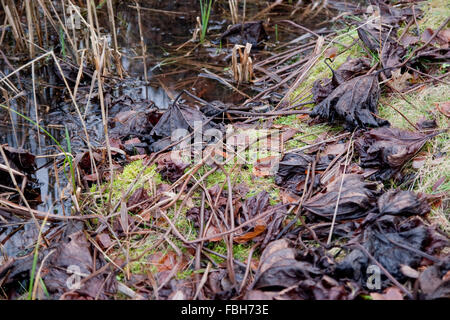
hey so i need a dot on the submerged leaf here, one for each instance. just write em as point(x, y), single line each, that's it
point(242, 33)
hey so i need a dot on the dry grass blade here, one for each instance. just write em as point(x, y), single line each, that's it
point(347, 158)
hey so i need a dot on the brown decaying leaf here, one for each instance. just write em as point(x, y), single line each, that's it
point(257, 230)
point(388, 149)
point(391, 293)
point(434, 281)
point(265, 166)
point(170, 166)
point(442, 38)
point(444, 108)
point(351, 68)
point(75, 255)
point(356, 198)
point(354, 102)
point(138, 200)
point(292, 170)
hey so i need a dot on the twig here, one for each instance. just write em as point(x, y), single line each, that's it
point(203, 281)
point(247, 269)
point(350, 144)
point(403, 116)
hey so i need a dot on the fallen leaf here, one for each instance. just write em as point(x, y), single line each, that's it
point(257, 230)
point(392, 293)
point(330, 52)
point(249, 32)
point(388, 149)
point(355, 198)
point(292, 170)
point(354, 102)
point(265, 166)
point(444, 108)
point(73, 260)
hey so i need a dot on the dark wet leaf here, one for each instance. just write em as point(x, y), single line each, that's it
point(292, 170)
point(435, 280)
point(21, 159)
point(171, 167)
point(249, 32)
point(391, 55)
point(72, 256)
point(388, 149)
point(389, 50)
point(434, 54)
point(351, 68)
point(356, 198)
point(371, 37)
point(424, 124)
point(279, 269)
point(399, 203)
point(133, 123)
point(394, 242)
point(252, 207)
point(354, 102)
point(176, 121)
point(394, 15)
point(321, 89)
point(308, 273)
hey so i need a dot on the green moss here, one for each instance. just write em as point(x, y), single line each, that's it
point(184, 225)
point(244, 175)
point(240, 251)
point(140, 266)
point(185, 274)
point(123, 180)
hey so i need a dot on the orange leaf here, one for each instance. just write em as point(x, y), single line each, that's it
point(257, 230)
